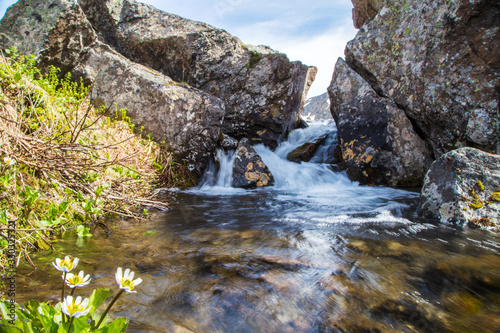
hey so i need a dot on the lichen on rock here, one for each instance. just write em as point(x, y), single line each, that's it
point(249, 170)
point(461, 187)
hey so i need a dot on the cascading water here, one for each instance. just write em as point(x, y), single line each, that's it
point(313, 183)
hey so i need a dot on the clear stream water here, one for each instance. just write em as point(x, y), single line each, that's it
point(314, 253)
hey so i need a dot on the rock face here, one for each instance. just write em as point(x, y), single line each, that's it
point(377, 140)
point(463, 187)
point(249, 170)
point(317, 108)
point(263, 91)
point(437, 62)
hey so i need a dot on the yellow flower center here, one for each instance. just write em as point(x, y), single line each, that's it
point(67, 264)
point(128, 283)
point(75, 280)
point(73, 308)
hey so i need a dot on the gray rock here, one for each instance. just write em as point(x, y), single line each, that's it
point(228, 143)
point(377, 140)
point(264, 92)
point(438, 61)
point(187, 120)
point(463, 187)
point(57, 32)
point(248, 169)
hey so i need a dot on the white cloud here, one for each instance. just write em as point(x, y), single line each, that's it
point(320, 50)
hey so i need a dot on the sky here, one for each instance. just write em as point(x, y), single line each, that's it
point(314, 32)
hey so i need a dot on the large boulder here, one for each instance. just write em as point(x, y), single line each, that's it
point(249, 170)
point(186, 119)
point(463, 187)
point(438, 61)
point(263, 91)
point(378, 142)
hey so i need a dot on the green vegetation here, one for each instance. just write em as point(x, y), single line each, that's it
point(64, 165)
point(72, 313)
point(254, 59)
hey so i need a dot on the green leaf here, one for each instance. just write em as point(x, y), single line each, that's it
point(80, 325)
point(99, 296)
point(9, 329)
point(117, 326)
point(17, 77)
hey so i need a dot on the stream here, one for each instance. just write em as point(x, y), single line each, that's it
point(316, 252)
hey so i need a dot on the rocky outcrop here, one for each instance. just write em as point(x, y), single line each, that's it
point(186, 119)
point(437, 62)
point(377, 140)
point(248, 169)
point(317, 108)
point(463, 187)
point(263, 91)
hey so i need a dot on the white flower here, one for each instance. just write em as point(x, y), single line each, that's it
point(9, 160)
point(126, 280)
point(75, 307)
point(73, 280)
point(65, 265)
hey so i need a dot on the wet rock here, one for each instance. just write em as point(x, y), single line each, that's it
point(480, 274)
point(377, 140)
point(463, 187)
point(187, 119)
point(263, 91)
point(249, 170)
point(306, 151)
point(228, 143)
point(437, 61)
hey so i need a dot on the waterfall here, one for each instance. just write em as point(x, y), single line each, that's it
point(288, 175)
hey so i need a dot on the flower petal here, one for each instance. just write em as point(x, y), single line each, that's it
point(137, 281)
point(119, 276)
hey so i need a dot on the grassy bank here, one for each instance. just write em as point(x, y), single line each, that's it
point(64, 166)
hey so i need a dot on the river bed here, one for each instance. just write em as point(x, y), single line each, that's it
point(314, 253)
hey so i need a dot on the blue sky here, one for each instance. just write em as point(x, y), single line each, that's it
point(312, 32)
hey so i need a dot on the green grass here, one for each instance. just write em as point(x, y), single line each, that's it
point(63, 164)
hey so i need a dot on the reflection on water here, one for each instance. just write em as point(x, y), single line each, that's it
point(315, 253)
